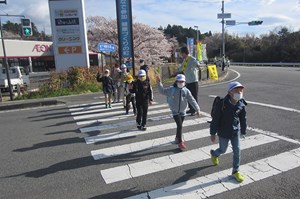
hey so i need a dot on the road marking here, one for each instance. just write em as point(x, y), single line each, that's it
point(271, 134)
point(120, 124)
point(119, 117)
point(95, 109)
point(117, 112)
point(269, 105)
point(216, 183)
point(146, 145)
point(150, 129)
point(141, 168)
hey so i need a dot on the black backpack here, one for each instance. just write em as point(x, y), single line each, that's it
point(98, 77)
point(215, 105)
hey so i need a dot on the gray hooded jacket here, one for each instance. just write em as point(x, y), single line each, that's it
point(178, 99)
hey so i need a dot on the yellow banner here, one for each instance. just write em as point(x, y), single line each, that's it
point(199, 51)
point(213, 73)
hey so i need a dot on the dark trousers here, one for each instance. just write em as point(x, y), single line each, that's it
point(193, 87)
point(179, 121)
point(141, 116)
point(130, 98)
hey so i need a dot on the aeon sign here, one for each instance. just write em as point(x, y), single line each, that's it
point(42, 48)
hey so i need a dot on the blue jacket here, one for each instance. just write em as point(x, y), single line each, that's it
point(178, 99)
point(229, 119)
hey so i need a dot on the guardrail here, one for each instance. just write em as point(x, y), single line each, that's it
point(38, 78)
point(274, 64)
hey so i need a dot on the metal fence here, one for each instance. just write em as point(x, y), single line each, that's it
point(273, 64)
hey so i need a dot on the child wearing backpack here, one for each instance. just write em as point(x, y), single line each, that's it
point(143, 97)
point(178, 97)
point(229, 121)
point(107, 87)
point(130, 97)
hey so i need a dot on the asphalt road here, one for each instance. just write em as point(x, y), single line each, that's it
point(64, 150)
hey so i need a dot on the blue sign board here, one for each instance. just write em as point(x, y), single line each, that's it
point(190, 45)
point(125, 27)
point(103, 47)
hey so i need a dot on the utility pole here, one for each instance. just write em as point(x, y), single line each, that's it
point(223, 37)
point(5, 58)
point(223, 16)
point(5, 63)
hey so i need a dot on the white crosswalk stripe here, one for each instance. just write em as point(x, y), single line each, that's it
point(219, 182)
point(151, 129)
point(116, 112)
point(171, 161)
point(199, 187)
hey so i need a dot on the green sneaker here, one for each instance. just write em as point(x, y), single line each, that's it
point(238, 176)
point(214, 159)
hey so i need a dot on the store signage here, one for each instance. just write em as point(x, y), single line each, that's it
point(42, 48)
point(69, 50)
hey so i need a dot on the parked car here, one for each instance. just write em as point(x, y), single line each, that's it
point(18, 77)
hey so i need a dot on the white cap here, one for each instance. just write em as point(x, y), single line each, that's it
point(180, 77)
point(123, 66)
point(106, 70)
point(233, 85)
point(142, 73)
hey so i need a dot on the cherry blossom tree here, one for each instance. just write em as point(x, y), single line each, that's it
point(149, 43)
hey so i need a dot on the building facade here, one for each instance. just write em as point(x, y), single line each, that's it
point(34, 56)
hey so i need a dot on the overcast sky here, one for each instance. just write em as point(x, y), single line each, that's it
point(187, 13)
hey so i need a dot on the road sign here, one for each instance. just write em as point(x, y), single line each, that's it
point(103, 47)
point(224, 15)
point(230, 22)
point(69, 50)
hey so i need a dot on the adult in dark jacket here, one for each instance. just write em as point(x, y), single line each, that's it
point(229, 121)
point(107, 87)
point(143, 96)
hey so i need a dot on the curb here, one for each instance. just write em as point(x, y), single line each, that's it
point(22, 105)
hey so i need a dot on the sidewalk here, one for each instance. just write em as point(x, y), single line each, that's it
point(73, 99)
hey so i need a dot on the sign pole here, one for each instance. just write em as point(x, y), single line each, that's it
point(6, 64)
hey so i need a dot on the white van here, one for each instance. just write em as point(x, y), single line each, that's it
point(17, 76)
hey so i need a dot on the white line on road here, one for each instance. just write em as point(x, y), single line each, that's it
point(269, 105)
point(115, 112)
point(216, 183)
point(150, 129)
point(146, 145)
point(141, 168)
point(120, 124)
point(119, 117)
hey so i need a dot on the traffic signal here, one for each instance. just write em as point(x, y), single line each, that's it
point(254, 23)
point(27, 31)
point(26, 27)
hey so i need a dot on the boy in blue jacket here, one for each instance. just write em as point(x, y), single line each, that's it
point(178, 98)
point(229, 121)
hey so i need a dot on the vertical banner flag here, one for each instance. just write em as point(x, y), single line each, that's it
point(124, 20)
point(190, 45)
point(204, 54)
point(213, 73)
point(199, 51)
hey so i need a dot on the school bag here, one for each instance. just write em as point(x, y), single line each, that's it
point(215, 105)
point(98, 78)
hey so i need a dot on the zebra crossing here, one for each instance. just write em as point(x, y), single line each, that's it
point(112, 125)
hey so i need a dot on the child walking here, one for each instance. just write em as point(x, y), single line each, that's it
point(144, 96)
point(178, 98)
point(130, 97)
point(229, 121)
point(107, 87)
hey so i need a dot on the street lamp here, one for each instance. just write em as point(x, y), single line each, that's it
point(197, 34)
